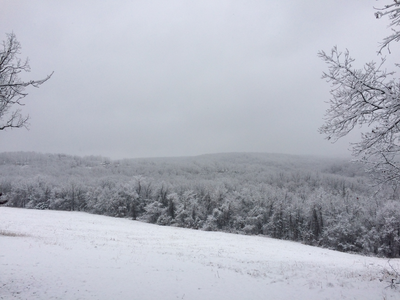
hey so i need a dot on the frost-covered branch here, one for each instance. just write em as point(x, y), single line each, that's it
point(370, 97)
point(367, 98)
point(393, 12)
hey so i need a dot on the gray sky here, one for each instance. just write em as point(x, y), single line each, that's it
point(178, 78)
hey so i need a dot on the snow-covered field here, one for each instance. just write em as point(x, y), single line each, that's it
point(72, 255)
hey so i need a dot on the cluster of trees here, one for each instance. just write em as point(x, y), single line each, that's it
point(312, 200)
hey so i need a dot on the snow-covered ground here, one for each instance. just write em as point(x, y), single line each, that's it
point(72, 255)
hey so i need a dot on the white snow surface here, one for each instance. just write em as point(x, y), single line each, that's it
point(75, 255)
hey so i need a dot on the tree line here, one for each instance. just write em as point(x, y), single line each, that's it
point(327, 203)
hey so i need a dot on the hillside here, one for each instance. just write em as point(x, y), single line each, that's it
point(74, 255)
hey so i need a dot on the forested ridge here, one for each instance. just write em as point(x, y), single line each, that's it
point(319, 201)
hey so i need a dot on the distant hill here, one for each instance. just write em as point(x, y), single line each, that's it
point(252, 166)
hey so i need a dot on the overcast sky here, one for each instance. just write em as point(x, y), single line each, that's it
point(182, 78)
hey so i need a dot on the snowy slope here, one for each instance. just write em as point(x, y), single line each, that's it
point(72, 255)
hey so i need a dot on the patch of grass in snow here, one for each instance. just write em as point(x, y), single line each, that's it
point(10, 233)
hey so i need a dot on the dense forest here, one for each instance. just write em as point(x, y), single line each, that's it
point(318, 201)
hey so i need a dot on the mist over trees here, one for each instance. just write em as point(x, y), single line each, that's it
point(317, 201)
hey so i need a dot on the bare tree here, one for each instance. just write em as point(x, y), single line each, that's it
point(369, 96)
point(12, 88)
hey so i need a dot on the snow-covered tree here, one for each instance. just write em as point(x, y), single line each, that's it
point(369, 96)
point(130, 200)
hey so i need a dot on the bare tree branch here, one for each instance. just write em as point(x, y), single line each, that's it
point(12, 88)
